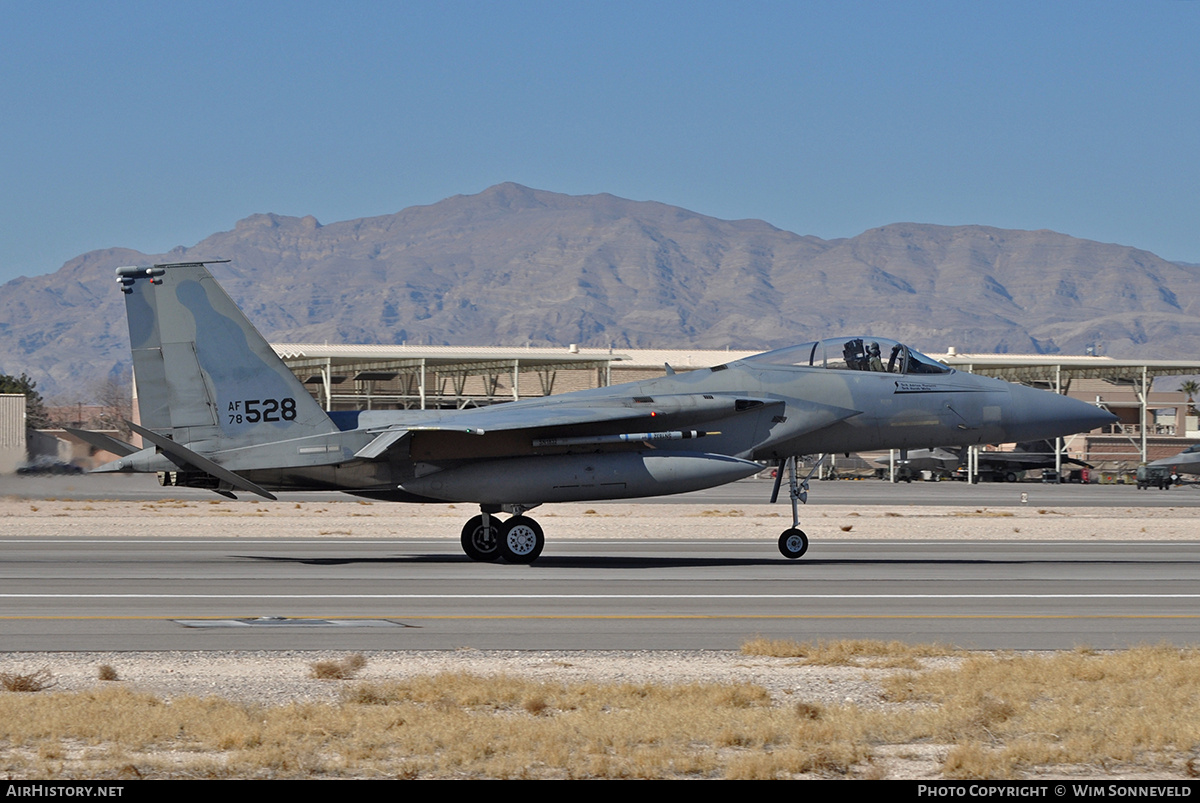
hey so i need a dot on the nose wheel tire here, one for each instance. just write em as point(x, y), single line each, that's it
point(521, 540)
point(793, 543)
point(479, 542)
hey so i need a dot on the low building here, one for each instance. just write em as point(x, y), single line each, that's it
point(13, 448)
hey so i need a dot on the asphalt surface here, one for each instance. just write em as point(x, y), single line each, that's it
point(338, 593)
point(181, 593)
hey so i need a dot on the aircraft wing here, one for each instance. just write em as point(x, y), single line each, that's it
point(575, 418)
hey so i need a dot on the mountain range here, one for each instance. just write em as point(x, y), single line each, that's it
point(514, 266)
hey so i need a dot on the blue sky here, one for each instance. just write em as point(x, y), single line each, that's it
point(151, 125)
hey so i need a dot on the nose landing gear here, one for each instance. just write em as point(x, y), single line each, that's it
point(793, 543)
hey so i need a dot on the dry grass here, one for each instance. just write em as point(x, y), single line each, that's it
point(107, 672)
point(37, 680)
point(848, 652)
point(449, 726)
point(1084, 713)
point(1008, 714)
point(344, 669)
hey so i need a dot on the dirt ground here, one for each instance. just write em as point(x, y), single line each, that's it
point(361, 519)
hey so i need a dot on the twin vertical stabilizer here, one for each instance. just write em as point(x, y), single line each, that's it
point(204, 374)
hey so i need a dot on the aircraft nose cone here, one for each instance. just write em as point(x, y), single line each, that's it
point(1041, 414)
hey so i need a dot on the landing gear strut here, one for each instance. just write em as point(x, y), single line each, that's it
point(793, 543)
point(518, 540)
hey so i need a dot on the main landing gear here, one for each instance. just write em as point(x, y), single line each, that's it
point(793, 543)
point(520, 538)
point(517, 540)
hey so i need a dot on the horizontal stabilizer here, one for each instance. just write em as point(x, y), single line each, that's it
point(199, 462)
point(105, 443)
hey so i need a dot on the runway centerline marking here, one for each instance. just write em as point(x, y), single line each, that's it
point(600, 596)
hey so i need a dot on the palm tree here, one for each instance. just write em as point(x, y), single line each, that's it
point(1190, 389)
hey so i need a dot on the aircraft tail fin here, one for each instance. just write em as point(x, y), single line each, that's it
point(204, 374)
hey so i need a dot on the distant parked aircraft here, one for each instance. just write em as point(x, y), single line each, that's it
point(1000, 465)
point(1186, 462)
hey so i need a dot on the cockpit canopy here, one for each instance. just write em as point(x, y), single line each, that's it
point(854, 354)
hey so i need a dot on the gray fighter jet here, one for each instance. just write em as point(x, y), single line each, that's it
point(1186, 462)
point(220, 410)
point(1007, 466)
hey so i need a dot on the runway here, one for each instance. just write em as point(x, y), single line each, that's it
point(183, 593)
point(116, 563)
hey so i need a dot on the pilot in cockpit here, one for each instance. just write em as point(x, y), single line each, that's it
point(874, 361)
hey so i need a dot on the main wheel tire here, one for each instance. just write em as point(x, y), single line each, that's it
point(793, 543)
point(479, 542)
point(521, 540)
